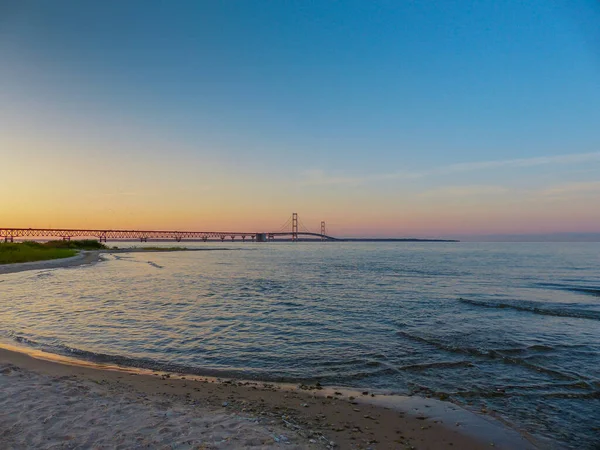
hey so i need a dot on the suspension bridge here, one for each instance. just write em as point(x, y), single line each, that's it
point(292, 229)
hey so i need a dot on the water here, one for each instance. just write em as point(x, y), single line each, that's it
point(514, 328)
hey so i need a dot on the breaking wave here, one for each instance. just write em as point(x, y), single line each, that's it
point(563, 311)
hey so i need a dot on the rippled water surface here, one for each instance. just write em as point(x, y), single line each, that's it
point(513, 328)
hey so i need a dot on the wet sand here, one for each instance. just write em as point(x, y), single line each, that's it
point(49, 404)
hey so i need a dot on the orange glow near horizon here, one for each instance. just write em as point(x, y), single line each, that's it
point(61, 182)
point(422, 220)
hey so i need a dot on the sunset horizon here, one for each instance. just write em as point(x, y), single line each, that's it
point(433, 129)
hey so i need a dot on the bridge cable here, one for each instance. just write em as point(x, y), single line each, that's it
point(303, 227)
point(286, 226)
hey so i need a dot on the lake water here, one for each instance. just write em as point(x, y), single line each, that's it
point(513, 328)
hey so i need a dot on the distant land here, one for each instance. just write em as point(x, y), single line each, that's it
point(301, 240)
point(542, 237)
point(395, 240)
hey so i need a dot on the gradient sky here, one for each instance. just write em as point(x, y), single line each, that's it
point(431, 118)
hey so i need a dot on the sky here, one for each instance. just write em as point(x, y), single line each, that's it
point(429, 118)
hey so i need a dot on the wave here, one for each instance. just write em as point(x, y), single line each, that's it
point(564, 311)
point(358, 374)
point(125, 361)
point(590, 291)
point(593, 291)
point(502, 393)
point(162, 366)
point(528, 349)
point(153, 264)
point(44, 274)
point(436, 365)
point(489, 354)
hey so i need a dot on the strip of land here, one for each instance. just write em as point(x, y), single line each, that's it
point(83, 257)
point(46, 404)
point(88, 257)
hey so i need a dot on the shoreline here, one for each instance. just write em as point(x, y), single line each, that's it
point(82, 258)
point(344, 416)
point(310, 416)
point(85, 257)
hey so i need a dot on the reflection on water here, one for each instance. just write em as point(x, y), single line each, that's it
point(520, 322)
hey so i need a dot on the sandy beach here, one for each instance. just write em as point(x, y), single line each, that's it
point(48, 404)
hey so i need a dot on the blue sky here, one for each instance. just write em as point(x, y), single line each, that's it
point(316, 97)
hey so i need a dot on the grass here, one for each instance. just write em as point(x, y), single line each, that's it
point(28, 251)
point(82, 244)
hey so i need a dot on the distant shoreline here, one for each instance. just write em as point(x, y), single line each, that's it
point(228, 241)
point(82, 258)
point(93, 256)
point(396, 240)
point(85, 257)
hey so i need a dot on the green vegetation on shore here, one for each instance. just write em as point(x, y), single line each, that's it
point(81, 244)
point(29, 251)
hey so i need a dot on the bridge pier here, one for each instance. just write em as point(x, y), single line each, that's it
point(66, 238)
point(8, 239)
point(222, 238)
point(294, 227)
point(204, 238)
point(178, 238)
point(143, 239)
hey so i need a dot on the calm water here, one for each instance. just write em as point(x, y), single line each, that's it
point(512, 327)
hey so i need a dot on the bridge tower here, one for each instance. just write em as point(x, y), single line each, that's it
point(294, 227)
point(323, 230)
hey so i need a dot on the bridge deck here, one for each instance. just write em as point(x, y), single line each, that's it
point(9, 234)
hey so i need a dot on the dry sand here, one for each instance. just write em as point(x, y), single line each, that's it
point(40, 411)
